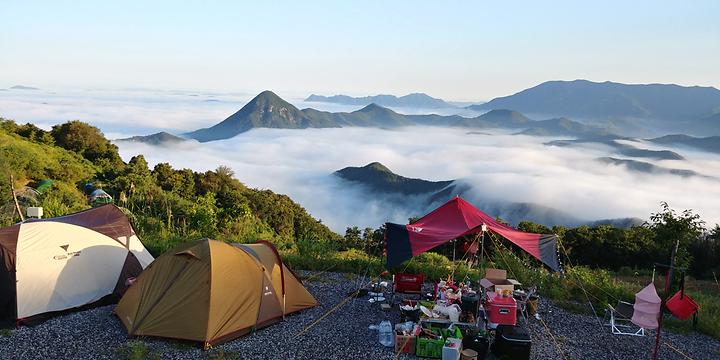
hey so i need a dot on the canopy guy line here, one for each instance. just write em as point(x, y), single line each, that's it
point(557, 345)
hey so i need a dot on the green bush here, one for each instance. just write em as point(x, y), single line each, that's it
point(136, 350)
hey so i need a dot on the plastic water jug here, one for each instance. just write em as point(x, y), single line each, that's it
point(385, 333)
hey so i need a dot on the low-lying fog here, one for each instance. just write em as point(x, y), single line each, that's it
point(499, 166)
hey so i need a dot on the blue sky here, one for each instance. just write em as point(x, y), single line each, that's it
point(455, 50)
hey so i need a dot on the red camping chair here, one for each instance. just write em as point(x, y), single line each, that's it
point(681, 305)
point(409, 283)
point(404, 283)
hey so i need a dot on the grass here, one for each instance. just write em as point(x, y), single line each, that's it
point(136, 350)
point(705, 293)
point(221, 354)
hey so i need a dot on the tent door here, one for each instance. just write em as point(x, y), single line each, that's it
point(8, 299)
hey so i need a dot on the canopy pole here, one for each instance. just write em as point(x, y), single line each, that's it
point(453, 242)
point(483, 229)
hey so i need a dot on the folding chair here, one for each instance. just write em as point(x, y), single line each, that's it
point(620, 316)
point(407, 284)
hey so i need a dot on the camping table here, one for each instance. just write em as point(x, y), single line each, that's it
point(448, 322)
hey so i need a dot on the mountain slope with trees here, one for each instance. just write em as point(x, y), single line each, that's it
point(166, 205)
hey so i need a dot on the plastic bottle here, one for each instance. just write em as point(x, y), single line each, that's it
point(385, 333)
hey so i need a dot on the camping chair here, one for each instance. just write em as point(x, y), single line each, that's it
point(620, 316)
point(522, 301)
point(407, 284)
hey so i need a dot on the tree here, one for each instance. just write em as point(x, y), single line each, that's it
point(353, 237)
point(705, 253)
point(85, 140)
point(670, 227)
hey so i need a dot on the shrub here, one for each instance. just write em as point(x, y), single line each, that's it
point(136, 350)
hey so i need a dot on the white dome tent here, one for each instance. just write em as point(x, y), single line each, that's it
point(56, 264)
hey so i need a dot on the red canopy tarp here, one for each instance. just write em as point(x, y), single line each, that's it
point(457, 218)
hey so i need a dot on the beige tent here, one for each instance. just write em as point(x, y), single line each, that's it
point(212, 292)
point(67, 262)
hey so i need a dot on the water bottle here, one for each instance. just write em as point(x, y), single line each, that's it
point(385, 333)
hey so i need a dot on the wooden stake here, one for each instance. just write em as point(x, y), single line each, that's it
point(17, 205)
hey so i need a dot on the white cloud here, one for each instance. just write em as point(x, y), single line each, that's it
point(500, 167)
point(299, 162)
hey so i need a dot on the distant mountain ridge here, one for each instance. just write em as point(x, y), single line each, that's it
point(622, 149)
point(160, 138)
point(419, 100)
point(587, 99)
point(23, 87)
point(400, 191)
point(648, 168)
point(267, 110)
point(710, 143)
point(380, 178)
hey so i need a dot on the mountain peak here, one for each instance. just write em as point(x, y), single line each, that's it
point(374, 107)
point(268, 97)
point(377, 167)
point(266, 110)
point(380, 179)
point(160, 138)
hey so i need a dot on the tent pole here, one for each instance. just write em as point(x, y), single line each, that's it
point(668, 279)
point(453, 242)
point(482, 249)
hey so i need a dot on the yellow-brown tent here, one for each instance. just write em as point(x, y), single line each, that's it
point(212, 292)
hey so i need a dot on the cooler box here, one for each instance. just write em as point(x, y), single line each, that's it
point(501, 310)
point(478, 343)
point(451, 350)
point(512, 343)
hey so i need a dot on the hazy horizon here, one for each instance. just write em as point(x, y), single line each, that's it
point(461, 51)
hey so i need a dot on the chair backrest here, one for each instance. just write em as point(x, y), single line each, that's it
point(624, 309)
point(409, 283)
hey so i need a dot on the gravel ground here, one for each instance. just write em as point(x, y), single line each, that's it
point(97, 334)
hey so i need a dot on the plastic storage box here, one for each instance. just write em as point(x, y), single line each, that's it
point(451, 349)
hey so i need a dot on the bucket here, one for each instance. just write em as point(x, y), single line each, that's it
point(469, 354)
point(682, 306)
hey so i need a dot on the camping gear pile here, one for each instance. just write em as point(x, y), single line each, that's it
point(455, 321)
point(458, 316)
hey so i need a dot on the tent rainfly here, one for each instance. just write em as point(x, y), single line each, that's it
point(210, 291)
point(66, 262)
point(457, 218)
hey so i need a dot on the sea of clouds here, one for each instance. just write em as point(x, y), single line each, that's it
point(500, 166)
